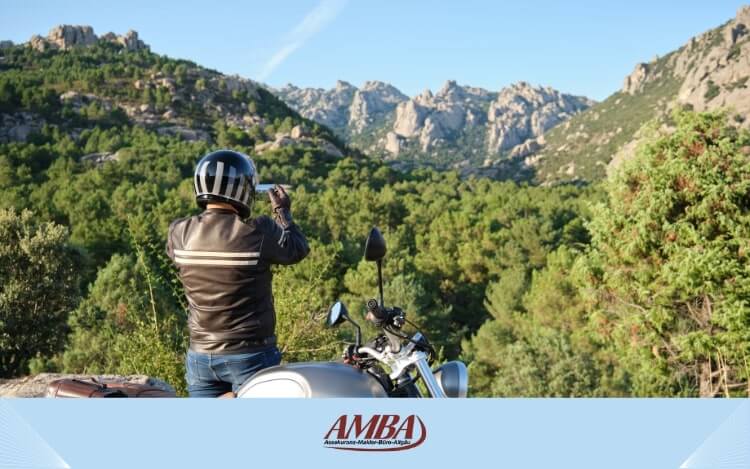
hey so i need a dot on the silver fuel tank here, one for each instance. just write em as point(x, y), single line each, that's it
point(312, 379)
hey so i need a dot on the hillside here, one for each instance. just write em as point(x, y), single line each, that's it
point(709, 72)
point(459, 126)
point(74, 80)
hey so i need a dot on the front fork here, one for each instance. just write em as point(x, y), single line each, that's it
point(423, 368)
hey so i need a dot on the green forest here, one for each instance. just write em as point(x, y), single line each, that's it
point(634, 286)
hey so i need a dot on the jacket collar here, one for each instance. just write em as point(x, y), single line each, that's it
point(220, 210)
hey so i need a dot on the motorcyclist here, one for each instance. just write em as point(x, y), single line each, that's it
point(224, 262)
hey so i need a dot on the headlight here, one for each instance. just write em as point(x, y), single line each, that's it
point(453, 378)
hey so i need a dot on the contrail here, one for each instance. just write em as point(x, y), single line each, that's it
point(323, 13)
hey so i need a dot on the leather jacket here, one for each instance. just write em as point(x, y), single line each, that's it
point(224, 264)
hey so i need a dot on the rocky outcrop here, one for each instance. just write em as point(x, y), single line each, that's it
point(522, 112)
point(715, 68)
point(99, 159)
point(17, 127)
point(66, 36)
point(129, 40)
point(371, 104)
point(410, 119)
point(299, 137)
point(634, 82)
point(329, 107)
point(344, 108)
point(36, 385)
point(435, 120)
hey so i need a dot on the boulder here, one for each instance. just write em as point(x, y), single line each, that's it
point(185, 133)
point(100, 158)
point(299, 132)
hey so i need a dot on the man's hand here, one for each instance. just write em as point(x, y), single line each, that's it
point(279, 199)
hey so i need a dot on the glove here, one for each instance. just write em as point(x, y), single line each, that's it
point(279, 199)
point(281, 205)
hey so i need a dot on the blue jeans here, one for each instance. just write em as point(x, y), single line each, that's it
point(211, 375)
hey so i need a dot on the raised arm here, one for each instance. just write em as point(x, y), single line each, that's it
point(284, 242)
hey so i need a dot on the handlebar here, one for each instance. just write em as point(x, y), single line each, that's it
point(402, 359)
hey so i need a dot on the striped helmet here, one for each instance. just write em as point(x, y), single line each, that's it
point(226, 176)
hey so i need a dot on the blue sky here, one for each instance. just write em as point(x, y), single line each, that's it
point(581, 47)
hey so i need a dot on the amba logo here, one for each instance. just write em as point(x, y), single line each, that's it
point(381, 432)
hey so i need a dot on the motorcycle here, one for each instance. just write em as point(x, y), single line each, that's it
point(390, 365)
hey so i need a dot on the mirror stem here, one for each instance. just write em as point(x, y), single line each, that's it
point(358, 336)
point(380, 283)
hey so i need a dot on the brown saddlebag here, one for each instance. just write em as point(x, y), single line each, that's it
point(81, 388)
point(92, 388)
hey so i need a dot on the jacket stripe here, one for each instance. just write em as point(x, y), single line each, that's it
point(186, 261)
point(183, 252)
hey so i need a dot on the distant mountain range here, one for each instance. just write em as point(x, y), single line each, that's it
point(458, 126)
point(527, 132)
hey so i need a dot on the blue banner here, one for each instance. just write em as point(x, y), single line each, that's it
point(498, 433)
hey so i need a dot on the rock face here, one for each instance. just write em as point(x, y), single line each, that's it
point(522, 112)
point(372, 103)
point(634, 82)
point(36, 386)
point(344, 108)
point(494, 122)
point(715, 68)
point(66, 36)
point(329, 107)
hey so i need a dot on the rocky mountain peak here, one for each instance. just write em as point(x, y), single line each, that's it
point(344, 87)
point(449, 87)
point(523, 112)
point(66, 36)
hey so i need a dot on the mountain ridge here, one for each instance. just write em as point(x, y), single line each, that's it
point(379, 119)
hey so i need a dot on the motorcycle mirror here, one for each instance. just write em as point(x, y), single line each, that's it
point(336, 314)
point(375, 245)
